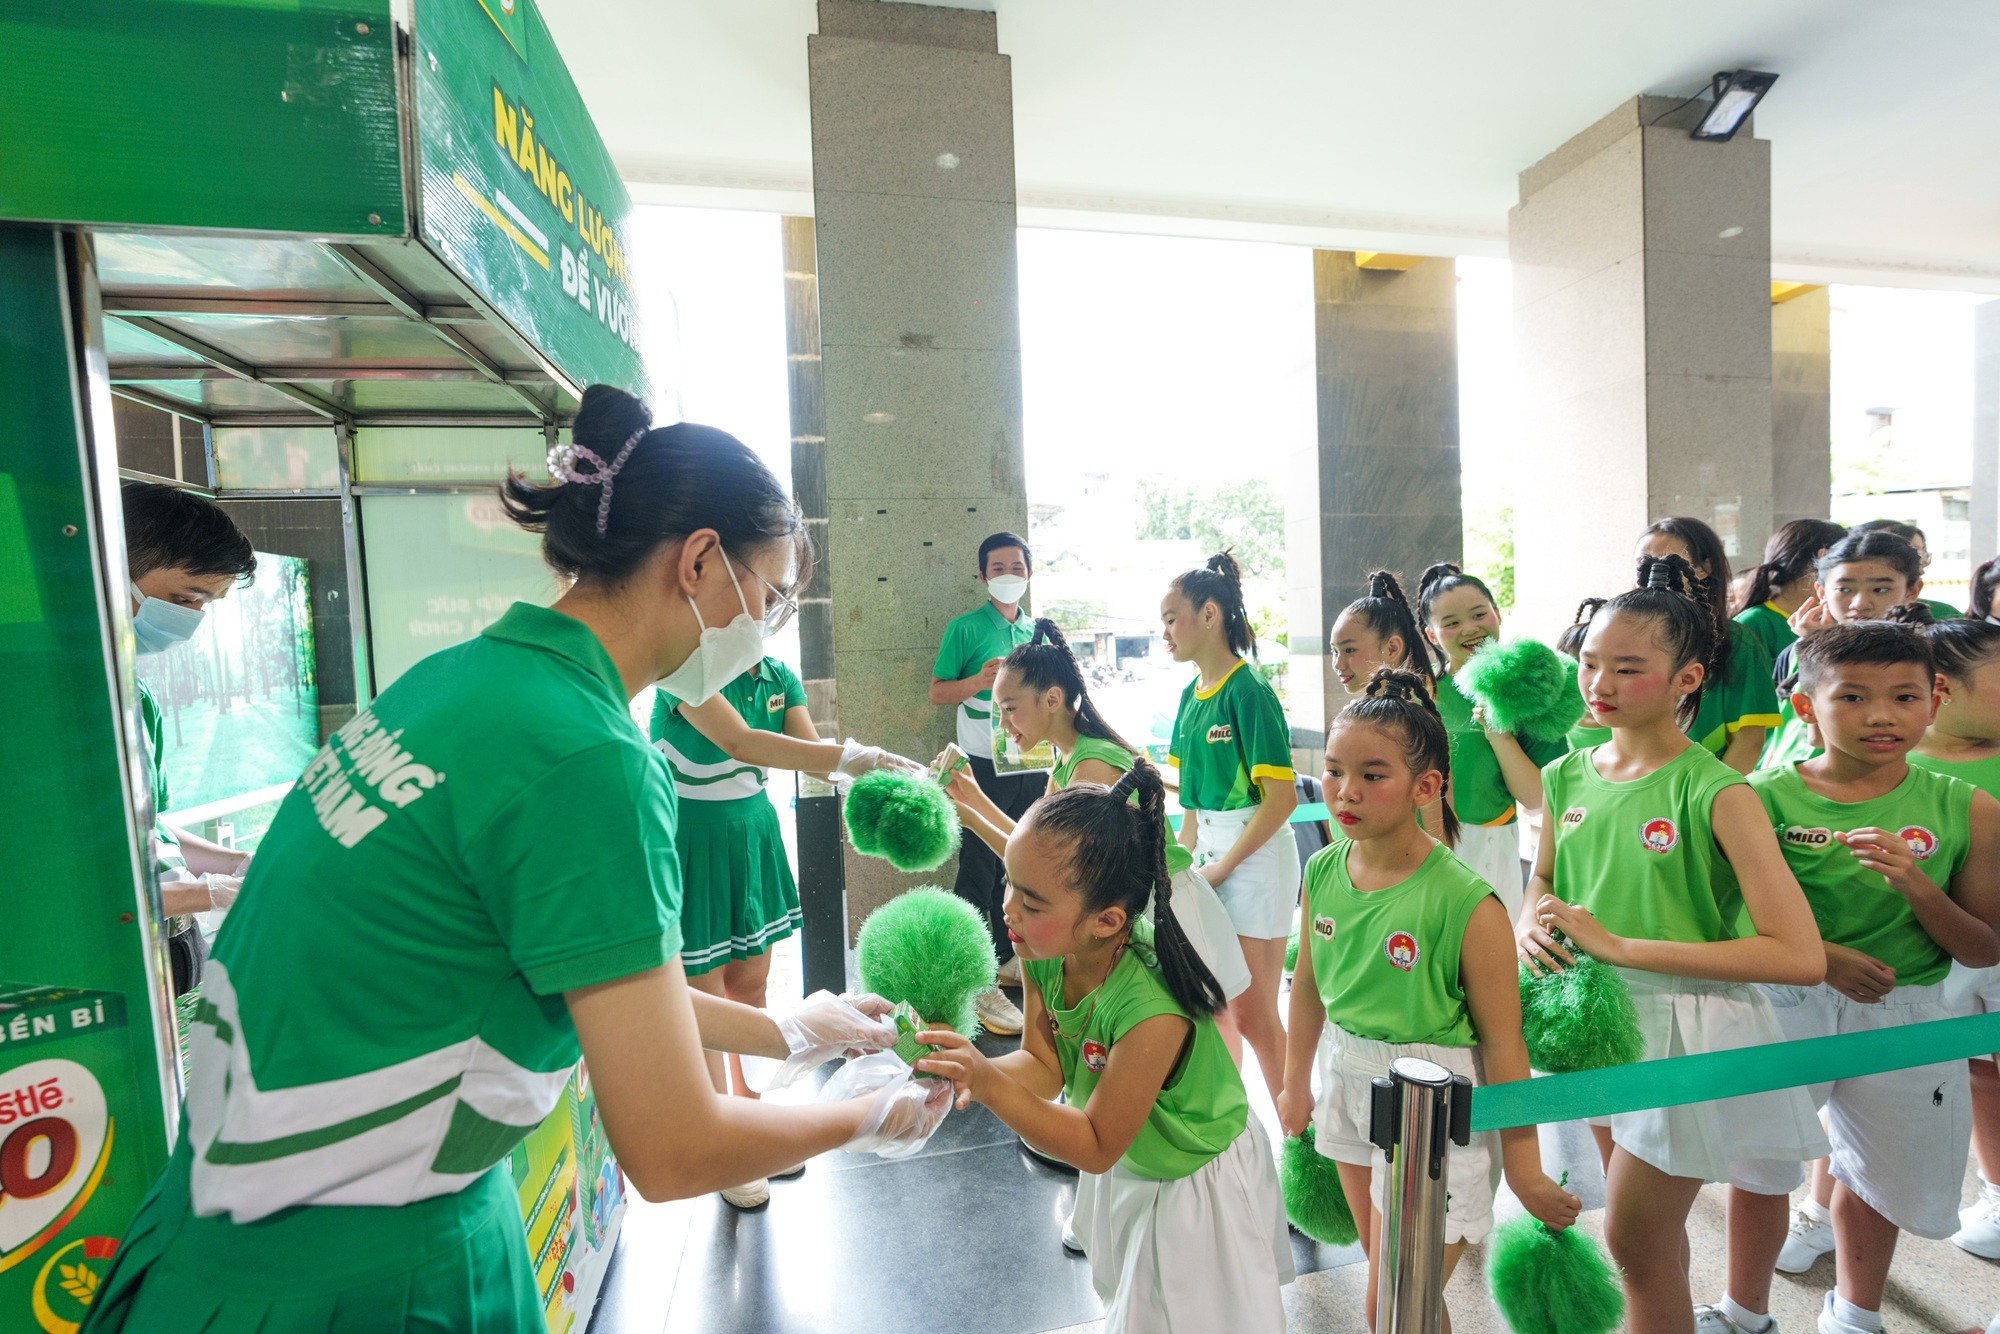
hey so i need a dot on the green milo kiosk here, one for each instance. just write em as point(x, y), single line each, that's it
point(355, 259)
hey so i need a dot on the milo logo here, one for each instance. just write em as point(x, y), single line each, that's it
point(1921, 840)
point(55, 1142)
point(776, 706)
point(1660, 835)
point(1323, 928)
point(1401, 948)
point(1796, 837)
point(1221, 734)
point(1573, 817)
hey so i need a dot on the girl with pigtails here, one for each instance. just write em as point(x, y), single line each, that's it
point(1658, 859)
point(1233, 749)
point(1188, 1231)
point(1405, 952)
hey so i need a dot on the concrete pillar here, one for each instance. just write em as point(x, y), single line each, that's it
point(1801, 429)
point(1985, 432)
point(1642, 267)
point(913, 197)
point(1380, 489)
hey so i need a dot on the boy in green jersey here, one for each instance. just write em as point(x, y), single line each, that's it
point(1899, 865)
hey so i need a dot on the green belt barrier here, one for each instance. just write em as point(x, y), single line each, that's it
point(1730, 1074)
point(1303, 815)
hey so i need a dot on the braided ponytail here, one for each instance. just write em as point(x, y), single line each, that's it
point(1045, 662)
point(1221, 582)
point(1570, 641)
point(1118, 858)
point(1386, 612)
point(1401, 702)
point(1666, 595)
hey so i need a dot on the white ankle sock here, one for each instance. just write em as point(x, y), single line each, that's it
point(1813, 1209)
point(1747, 1320)
point(1848, 1313)
point(1989, 1192)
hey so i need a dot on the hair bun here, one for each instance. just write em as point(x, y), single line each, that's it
point(1224, 563)
point(1444, 569)
point(1379, 583)
point(608, 416)
point(1394, 683)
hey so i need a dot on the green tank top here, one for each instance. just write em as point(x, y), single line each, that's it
point(1479, 793)
point(1583, 738)
point(1202, 1108)
point(1642, 855)
point(1982, 774)
point(1089, 748)
point(1853, 905)
point(1386, 960)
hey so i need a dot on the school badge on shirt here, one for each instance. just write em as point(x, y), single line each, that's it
point(1401, 947)
point(1921, 840)
point(1660, 835)
point(1095, 1055)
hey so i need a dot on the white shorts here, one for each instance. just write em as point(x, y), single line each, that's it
point(1900, 1137)
point(1347, 1067)
point(1205, 1252)
point(1684, 1016)
point(1972, 990)
point(1261, 895)
point(1198, 909)
point(1494, 851)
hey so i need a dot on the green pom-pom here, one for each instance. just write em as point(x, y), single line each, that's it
point(1581, 1018)
point(931, 949)
point(1314, 1200)
point(905, 819)
point(1292, 949)
point(1526, 688)
point(1552, 1282)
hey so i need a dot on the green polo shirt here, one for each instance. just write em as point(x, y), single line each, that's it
point(383, 1016)
point(1745, 698)
point(704, 771)
point(970, 642)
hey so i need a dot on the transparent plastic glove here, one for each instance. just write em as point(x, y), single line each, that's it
point(221, 890)
point(827, 1027)
point(857, 759)
point(906, 1111)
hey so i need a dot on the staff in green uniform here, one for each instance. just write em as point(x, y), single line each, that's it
point(1739, 705)
point(473, 884)
point(738, 898)
point(183, 552)
point(968, 659)
point(1781, 585)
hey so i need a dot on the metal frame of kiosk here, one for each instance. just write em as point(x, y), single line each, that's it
point(359, 251)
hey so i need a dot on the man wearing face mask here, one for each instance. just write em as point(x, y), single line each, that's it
point(974, 646)
point(183, 553)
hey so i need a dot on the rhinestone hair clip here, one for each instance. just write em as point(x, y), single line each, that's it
point(563, 461)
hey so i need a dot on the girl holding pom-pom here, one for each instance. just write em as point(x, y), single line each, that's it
point(1492, 771)
point(1408, 953)
point(1188, 1234)
point(1652, 851)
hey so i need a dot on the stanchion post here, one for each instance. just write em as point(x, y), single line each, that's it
point(1416, 1114)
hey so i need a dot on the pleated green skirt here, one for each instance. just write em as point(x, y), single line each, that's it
point(456, 1263)
point(738, 897)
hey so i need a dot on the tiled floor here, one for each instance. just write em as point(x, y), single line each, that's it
point(963, 1239)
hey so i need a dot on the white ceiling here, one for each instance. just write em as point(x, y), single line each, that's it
point(1385, 127)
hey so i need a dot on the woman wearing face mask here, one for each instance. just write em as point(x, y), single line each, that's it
point(183, 553)
point(364, 1064)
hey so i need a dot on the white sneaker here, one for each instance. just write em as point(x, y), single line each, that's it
point(1979, 1230)
point(998, 1015)
point(1832, 1324)
point(750, 1195)
point(1074, 1244)
point(1713, 1320)
point(1010, 972)
point(1809, 1240)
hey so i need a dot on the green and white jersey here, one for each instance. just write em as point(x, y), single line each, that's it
point(1229, 738)
point(1386, 961)
point(1642, 855)
point(1202, 1108)
point(1479, 792)
point(970, 642)
point(704, 771)
point(383, 1017)
point(1769, 625)
point(1853, 905)
point(1746, 698)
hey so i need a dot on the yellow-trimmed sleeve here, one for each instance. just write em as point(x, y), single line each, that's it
point(1770, 722)
point(1259, 772)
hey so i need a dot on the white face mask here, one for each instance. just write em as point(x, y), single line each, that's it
point(725, 652)
point(158, 625)
point(1008, 588)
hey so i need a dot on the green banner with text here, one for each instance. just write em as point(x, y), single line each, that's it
point(520, 197)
